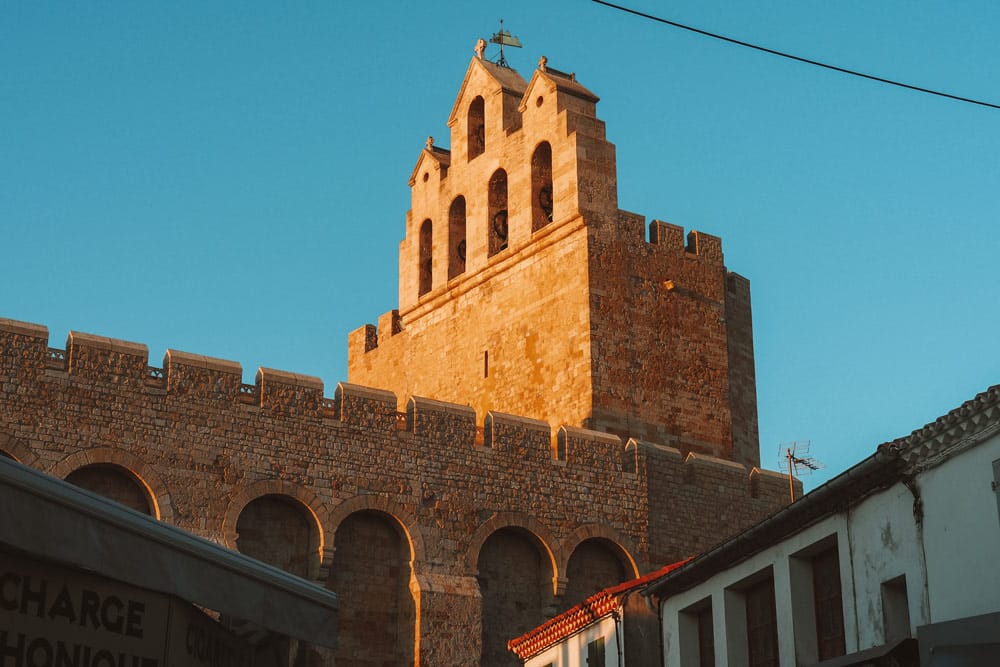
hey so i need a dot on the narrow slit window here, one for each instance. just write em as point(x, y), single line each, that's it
point(762, 626)
point(829, 606)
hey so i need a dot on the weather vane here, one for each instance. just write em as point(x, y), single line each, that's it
point(504, 38)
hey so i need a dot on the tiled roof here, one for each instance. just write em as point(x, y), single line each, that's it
point(576, 618)
point(965, 426)
point(972, 421)
point(567, 82)
point(508, 78)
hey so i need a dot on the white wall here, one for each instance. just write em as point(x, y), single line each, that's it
point(962, 530)
point(726, 604)
point(572, 651)
point(949, 563)
point(885, 545)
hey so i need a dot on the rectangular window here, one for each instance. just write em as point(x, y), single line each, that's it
point(762, 625)
point(706, 639)
point(829, 605)
point(595, 653)
point(895, 609)
point(695, 634)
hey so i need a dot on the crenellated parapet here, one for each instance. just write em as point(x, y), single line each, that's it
point(665, 240)
point(198, 375)
point(214, 385)
point(670, 238)
point(244, 464)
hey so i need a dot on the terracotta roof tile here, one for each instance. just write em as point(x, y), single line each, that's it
point(576, 618)
point(972, 418)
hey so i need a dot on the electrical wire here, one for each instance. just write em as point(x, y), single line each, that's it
point(790, 56)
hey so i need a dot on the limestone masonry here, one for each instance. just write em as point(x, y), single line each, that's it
point(448, 525)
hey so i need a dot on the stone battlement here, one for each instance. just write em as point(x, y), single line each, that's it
point(282, 472)
point(117, 364)
point(664, 237)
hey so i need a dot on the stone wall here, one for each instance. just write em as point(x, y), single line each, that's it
point(578, 317)
point(205, 447)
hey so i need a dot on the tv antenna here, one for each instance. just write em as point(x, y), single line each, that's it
point(504, 38)
point(794, 457)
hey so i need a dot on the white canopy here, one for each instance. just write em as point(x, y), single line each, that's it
point(56, 521)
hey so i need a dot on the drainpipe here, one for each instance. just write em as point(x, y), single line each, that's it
point(854, 577)
point(650, 603)
point(616, 614)
point(918, 519)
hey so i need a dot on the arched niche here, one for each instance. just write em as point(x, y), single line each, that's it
point(476, 126)
point(595, 564)
point(370, 572)
point(498, 214)
point(541, 186)
point(456, 238)
point(514, 572)
point(425, 266)
point(280, 531)
point(116, 483)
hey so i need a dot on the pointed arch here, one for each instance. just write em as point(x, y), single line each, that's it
point(476, 125)
point(541, 186)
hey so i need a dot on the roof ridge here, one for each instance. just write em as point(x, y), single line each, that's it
point(959, 419)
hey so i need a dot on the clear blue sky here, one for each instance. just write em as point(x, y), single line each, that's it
point(230, 179)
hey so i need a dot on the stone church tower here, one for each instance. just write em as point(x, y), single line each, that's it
point(562, 401)
point(524, 289)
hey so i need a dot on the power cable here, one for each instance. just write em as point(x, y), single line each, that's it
point(794, 57)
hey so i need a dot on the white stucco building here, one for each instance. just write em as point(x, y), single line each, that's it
point(895, 561)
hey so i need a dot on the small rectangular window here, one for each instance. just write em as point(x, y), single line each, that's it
point(828, 604)
point(486, 364)
point(696, 635)
point(595, 653)
point(895, 609)
point(706, 639)
point(762, 625)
